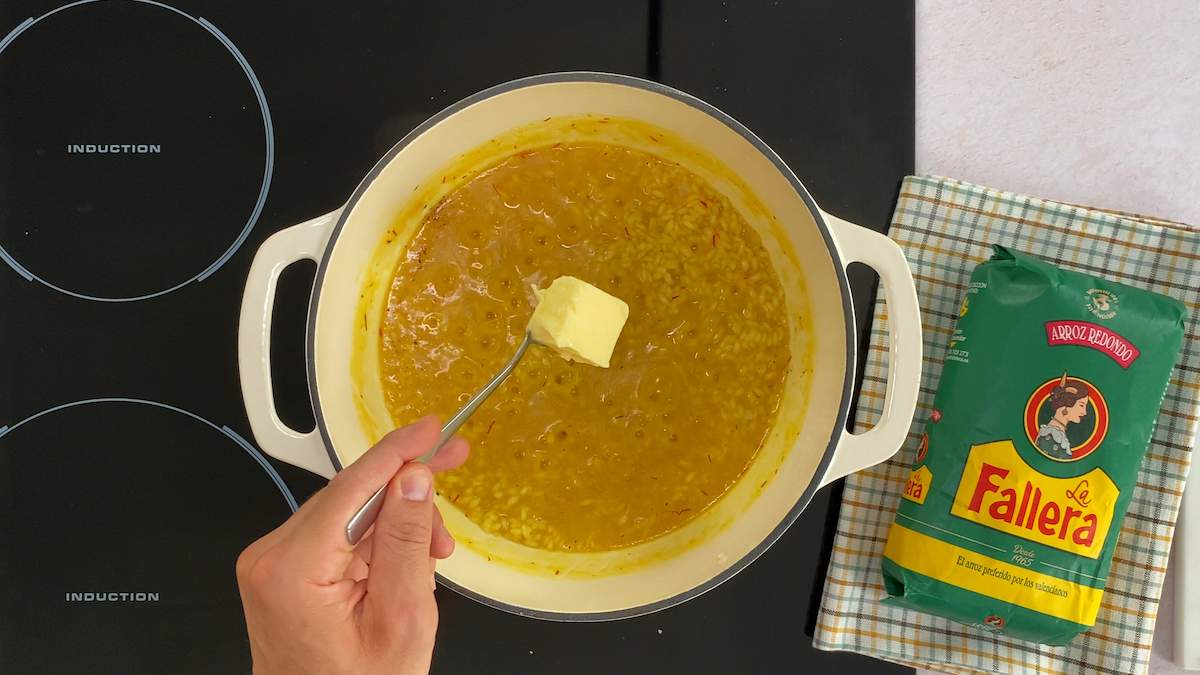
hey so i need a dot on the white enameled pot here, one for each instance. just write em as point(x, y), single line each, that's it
point(806, 448)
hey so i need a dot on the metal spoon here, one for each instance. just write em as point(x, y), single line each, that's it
point(365, 516)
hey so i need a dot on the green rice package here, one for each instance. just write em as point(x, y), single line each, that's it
point(1050, 390)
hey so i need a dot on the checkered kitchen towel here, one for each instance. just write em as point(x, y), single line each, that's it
point(946, 227)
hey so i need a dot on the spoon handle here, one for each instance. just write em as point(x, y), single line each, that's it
point(361, 521)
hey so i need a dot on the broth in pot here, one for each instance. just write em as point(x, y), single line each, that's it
point(568, 457)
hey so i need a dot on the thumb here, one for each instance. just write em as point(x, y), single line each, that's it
point(400, 557)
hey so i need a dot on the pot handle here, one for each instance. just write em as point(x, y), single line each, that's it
point(859, 451)
point(306, 240)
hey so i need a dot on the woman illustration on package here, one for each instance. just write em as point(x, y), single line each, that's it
point(1069, 401)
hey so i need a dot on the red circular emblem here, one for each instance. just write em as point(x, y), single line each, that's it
point(936, 415)
point(1084, 424)
point(993, 621)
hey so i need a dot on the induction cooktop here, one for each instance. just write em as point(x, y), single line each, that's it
point(146, 150)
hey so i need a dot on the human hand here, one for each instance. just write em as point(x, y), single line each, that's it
point(316, 604)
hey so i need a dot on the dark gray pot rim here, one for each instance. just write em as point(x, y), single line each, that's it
point(818, 217)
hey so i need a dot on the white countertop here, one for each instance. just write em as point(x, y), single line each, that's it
point(1094, 102)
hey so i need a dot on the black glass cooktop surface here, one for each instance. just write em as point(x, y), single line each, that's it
point(131, 510)
point(147, 149)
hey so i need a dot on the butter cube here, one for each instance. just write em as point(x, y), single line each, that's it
point(578, 320)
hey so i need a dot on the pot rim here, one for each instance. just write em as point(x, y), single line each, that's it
point(818, 217)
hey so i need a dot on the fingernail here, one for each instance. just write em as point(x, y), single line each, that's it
point(415, 485)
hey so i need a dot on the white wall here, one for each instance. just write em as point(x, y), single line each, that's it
point(1087, 101)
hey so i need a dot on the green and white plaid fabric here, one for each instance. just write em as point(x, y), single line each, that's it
point(946, 227)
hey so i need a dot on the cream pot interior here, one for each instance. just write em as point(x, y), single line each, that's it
point(358, 247)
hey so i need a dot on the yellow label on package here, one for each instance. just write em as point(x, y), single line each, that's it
point(999, 490)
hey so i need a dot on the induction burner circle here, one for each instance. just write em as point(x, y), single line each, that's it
point(121, 520)
point(131, 149)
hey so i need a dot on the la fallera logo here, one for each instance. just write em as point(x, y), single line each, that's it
point(1065, 419)
point(1000, 491)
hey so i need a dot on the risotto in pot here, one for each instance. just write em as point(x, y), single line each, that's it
point(566, 456)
